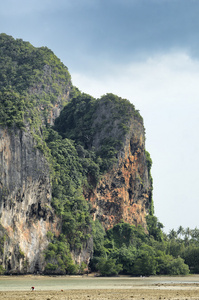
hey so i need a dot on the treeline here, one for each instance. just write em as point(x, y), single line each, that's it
point(184, 243)
point(126, 249)
point(130, 250)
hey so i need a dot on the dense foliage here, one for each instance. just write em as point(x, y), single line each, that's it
point(22, 65)
point(130, 250)
point(149, 165)
point(58, 257)
point(101, 132)
point(67, 194)
point(12, 108)
point(185, 243)
point(70, 205)
point(32, 79)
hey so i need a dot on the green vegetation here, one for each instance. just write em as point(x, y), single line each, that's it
point(58, 257)
point(3, 237)
point(21, 253)
point(149, 165)
point(2, 241)
point(184, 243)
point(108, 266)
point(12, 108)
point(31, 81)
point(68, 178)
point(23, 66)
point(67, 193)
point(2, 270)
point(98, 134)
point(130, 250)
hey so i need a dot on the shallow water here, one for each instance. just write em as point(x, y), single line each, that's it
point(42, 283)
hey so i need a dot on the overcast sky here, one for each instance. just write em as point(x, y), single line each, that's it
point(142, 50)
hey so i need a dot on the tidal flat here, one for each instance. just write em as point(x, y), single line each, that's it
point(94, 288)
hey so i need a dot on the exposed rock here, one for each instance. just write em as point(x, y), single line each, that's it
point(25, 201)
point(84, 254)
point(45, 86)
point(124, 192)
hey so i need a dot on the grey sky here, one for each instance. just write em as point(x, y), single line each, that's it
point(117, 30)
point(145, 51)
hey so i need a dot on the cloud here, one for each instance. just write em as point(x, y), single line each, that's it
point(170, 78)
point(120, 30)
point(24, 7)
point(165, 90)
point(21, 7)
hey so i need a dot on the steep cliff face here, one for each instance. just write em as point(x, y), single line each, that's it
point(114, 130)
point(58, 93)
point(25, 201)
point(124, 191)
point(34, 86)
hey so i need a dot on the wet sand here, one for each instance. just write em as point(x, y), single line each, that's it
point(133, 294)
point(168, 288)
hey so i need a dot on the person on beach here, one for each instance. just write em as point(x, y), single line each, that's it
point(33, 288)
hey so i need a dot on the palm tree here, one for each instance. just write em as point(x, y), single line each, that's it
point(188, 232)
point(172, 234)
point(180, 231)
point(195, 234)
point(187, 236)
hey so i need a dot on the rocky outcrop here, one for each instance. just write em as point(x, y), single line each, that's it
point(50, 111)
point(84, 254)
point(124, 192)
point(25, 202)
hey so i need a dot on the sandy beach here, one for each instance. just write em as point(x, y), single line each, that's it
point(135, 294)
point(168, 288)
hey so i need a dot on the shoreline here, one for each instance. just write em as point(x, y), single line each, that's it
point(83, 287)
point(132, 294)
point(95, 275)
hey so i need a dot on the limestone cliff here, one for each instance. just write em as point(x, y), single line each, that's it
point(25, 201)
point(124, 192)
point(34, 86)
point(54, 180)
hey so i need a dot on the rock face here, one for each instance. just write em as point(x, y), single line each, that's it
point(85, 254)
point(26, 214)
point(45, 87)
point(124, 192)
point(25, 201)
point(108, 129)
point(25, 206)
